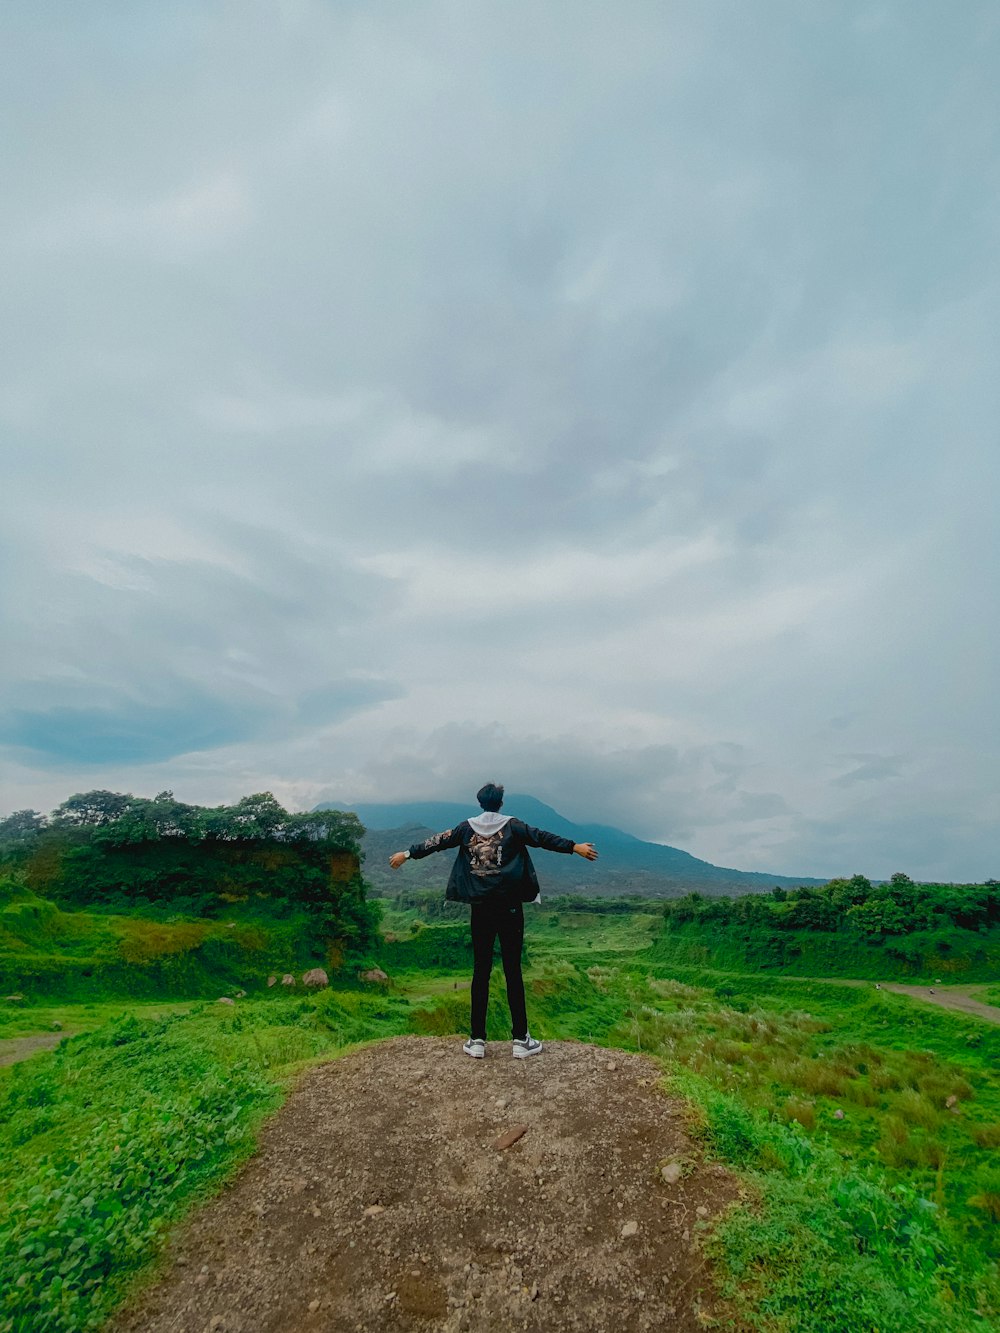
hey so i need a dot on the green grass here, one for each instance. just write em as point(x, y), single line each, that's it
point(48, 954)
point(844, 1234)
point(25, 1020)
point(975, 956)
point(109, 1139)
point(882, 1217)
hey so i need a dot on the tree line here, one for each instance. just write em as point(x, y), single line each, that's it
point(115, 851)
point(904, 916)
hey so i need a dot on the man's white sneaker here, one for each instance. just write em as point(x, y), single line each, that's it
point(522, 1049)
point(475, 1048)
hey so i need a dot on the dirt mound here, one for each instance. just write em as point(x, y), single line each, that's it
point(378, 1200)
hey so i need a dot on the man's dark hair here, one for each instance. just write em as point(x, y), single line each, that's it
point(490, 797)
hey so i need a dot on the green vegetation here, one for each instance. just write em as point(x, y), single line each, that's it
point(119, 895)
point(107, 1140)
point(47, 952)
point(866, 1126)
point(847, 928)
point(115, 852)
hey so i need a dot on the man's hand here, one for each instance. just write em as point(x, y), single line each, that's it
point(586, 850)
point(397, 859)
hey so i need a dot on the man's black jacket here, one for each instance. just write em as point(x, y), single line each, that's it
point(492, 867)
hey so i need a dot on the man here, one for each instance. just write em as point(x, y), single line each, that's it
point(493, 873)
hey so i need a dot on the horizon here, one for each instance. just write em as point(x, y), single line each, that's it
point(353, 807)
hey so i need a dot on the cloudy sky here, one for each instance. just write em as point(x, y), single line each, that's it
point(601, 398)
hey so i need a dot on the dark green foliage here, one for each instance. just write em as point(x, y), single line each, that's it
point(105, 1165)
point(118, 852)
point(431, 904)
point(848, 927)
point(19, 834)
point(446, 948)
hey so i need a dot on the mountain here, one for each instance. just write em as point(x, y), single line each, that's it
point(627, 864)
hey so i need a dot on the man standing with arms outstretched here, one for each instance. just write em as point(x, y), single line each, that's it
point(493, 873)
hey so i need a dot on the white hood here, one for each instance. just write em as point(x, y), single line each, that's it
point(488, 823)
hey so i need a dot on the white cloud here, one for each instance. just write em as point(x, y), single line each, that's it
point(610, 400)
point(198, 216)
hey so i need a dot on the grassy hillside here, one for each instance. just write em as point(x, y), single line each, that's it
point(48, 953)
point(847, 928)
point(865, 1127)
point(808, 954)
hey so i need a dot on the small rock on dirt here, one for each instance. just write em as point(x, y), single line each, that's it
point(374, 1209)
point(671, 1173)
point(510, 1137)
point(316, 978)
point(629, 1229)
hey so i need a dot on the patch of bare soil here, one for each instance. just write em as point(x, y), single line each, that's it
point(962, 999)
point(378, 1200)
point(950, 997)
point(13, 1049)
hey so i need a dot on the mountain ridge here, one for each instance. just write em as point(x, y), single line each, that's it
point(628, 864)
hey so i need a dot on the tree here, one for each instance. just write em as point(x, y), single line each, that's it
point(19, 834)
point(92, 809)
point(846, 893)
point(879, 916)
point(252, 817)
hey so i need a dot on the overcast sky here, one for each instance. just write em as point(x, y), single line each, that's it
point(601, 398)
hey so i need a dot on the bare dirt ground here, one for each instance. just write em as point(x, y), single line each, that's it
point(13, 1049)
point(949, 997)
point(378, 1200)
point(959, 998)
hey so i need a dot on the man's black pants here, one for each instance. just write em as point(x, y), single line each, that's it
point(488, 921)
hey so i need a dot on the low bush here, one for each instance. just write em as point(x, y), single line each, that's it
point(103, 1142)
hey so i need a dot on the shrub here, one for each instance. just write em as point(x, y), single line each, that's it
point(987, 1196)
point(153, 1129)
point(804, 1113)
point(986, 1136)
point(821, 1079)
point(916, 1109)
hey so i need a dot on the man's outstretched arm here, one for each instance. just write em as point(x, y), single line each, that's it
point(440, 842)
point(555, 842)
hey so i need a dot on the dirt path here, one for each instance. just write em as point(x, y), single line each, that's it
point(957, 998)
point(13, 1049)
point(949, 997)
point(378, 1201)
